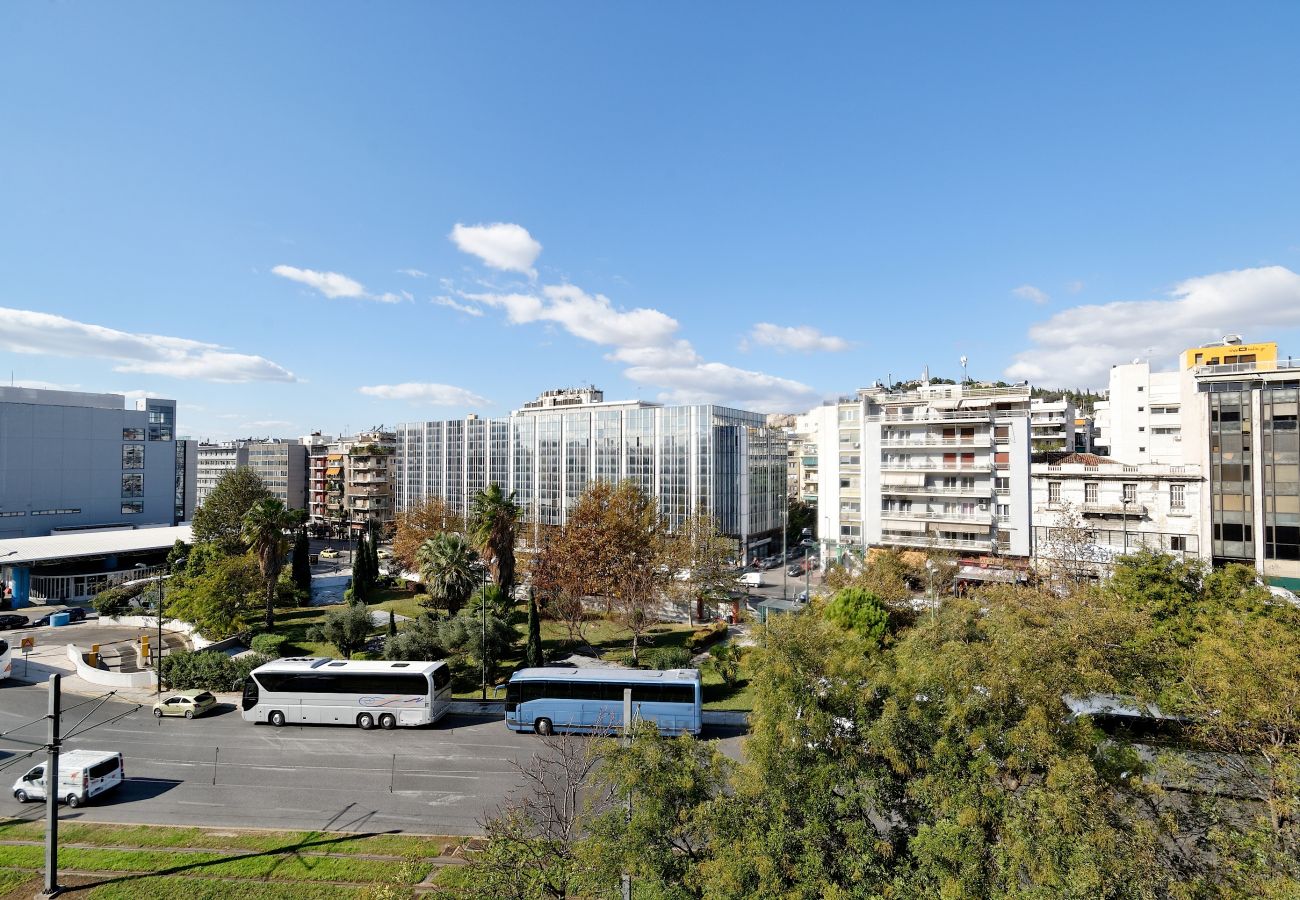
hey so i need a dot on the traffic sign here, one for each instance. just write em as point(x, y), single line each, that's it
point(28, 643)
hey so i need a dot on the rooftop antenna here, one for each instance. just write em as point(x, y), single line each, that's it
point(964, 379)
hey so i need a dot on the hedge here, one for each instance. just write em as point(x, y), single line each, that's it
point(209, 670)
point(706, 635)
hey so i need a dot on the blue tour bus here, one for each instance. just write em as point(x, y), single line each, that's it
point(546, 700)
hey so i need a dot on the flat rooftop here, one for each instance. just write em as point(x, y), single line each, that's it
point(80, 544)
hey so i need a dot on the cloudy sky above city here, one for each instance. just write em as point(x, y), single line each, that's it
point(327, 217)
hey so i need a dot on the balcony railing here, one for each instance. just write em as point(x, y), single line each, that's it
point(986, 545)
point(974, 490)
point(982, 518)
point(938, 465)
point(974, 440)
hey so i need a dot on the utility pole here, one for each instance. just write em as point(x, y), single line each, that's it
point(52, 794)
point(627, 742)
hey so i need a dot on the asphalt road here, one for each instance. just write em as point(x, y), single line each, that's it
point(443, 779)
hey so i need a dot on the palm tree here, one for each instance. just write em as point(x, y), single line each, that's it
point(264, 529)
point(493, 522)
point(447, 566)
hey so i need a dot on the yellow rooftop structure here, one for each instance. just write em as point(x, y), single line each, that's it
point(1231, 352)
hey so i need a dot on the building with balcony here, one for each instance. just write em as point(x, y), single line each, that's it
point(703, 458)
point(801, 454)
point(1051, 425)
point(214, 461)
point(942, 467)
point(79, 461)
point(1120, 507)
point(369, 465)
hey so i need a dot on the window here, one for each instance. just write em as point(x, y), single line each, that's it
point(132, 485)
point(1141, 389)
point(131, 507)
point(133, 434)
point(1090, 492)
point(1178, 542)
point(1176, 496)
point(1053, 492)
point(133, 456)
point(1004, 511)
point(1142, 428)
point(1130, 493)
point(55, 512)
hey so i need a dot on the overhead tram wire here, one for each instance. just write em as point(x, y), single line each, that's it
point(101, 698)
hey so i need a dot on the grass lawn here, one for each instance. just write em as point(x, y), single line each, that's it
point(222, 864)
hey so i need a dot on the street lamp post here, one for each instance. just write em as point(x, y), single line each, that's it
point(929, 586)
point(1124, 501)
point(158, 649)
point(785, 568)
point(482, 645)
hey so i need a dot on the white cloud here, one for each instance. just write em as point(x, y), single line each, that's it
point(590, 317)
point(803, 338)
point(331, 284)
point(414, 273)
point(678, 353)
point(502, 245)
point(1074, 287)
point(711, 382)
point(1029, 292)
point(24, 331)
point(335, 285)
point(459, 307)
point(1078, 346)
point(267, 423)
point(426, 394)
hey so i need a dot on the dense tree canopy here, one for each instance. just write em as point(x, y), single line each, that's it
point(220, 520)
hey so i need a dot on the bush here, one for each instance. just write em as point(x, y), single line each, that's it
point(116, 601)
point(670, 658)
point(269, 644)
point(726, 662)
point(702, 637)
point(208, 670)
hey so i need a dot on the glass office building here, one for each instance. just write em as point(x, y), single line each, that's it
point(702, 458)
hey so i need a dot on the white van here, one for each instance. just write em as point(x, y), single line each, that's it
point(751, 579)
point(82, 774)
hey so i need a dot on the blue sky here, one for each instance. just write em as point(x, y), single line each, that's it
point(225, 203)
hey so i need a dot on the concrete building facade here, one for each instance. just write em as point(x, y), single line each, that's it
point(71, 460)
point(1051, 425)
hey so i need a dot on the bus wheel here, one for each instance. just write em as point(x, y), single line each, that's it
point(543, 727)
point(366, 721)
point(73, 801)
point(387, 720)
point(276, 718)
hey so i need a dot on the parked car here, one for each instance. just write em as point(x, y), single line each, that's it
point(330, 553)
point(82, 774)
point(185, 703)
point(803, 597)
point(772, 562)
point(75, 614)
point(10, 620)
point(795, 571)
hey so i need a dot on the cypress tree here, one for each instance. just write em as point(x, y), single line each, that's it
point(360, 572)
point(392, 623)
point(301, 564)
point(533, 650)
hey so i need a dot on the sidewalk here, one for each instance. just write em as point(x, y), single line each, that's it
point(51, 659)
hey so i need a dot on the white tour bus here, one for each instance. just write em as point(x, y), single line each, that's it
point(311, 690)
point(6, 660)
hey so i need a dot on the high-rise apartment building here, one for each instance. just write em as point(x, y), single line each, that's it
point(281, 464)
point(71, 460)
point(215, 460)
point(942, 467)
point(703, 458)
point(368, 467)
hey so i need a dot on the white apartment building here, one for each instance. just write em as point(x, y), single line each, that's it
point(1051, 425)
point(942, 466)
point(214, 461)
point(1121, 507)
point(1139, 422)
point(801, 454)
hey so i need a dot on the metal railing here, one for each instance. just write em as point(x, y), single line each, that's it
point(977, 440)
point(974, 490)
point(933, 516)
point(926, 540)
point(936, 466)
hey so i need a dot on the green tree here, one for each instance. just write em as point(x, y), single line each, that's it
point(861, 612)
point(448, 568)
point(219, 598)
point(1164, 587)
point(800, 515)
point(533, 649)
point(177, 556)
point(483, 631)
point(417, 640)
point(667, 839)
point(264, 532)
point(725, 659)
point(301, 565)
point(493, 524)
point(347, 627)
point(361, 583)
point(220, 520)
point(700, 556)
